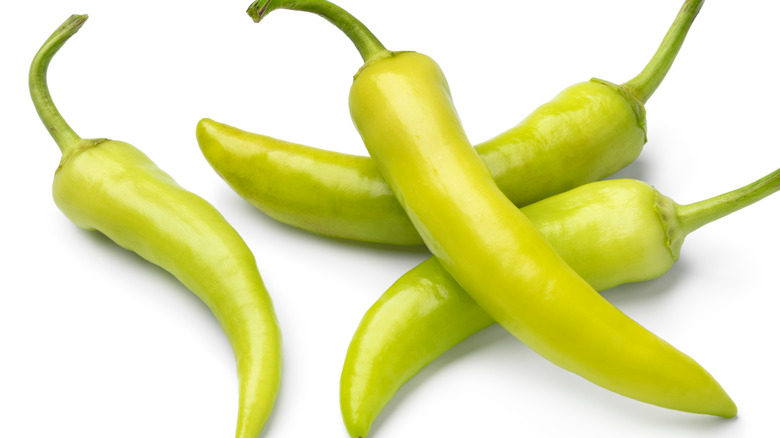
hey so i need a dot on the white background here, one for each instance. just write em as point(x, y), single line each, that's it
point(96, 342)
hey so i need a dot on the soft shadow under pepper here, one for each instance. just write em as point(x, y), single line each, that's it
point(611, 232)
point(402, 107)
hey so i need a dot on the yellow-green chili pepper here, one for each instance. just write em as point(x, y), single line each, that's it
point(112, 187)
point(402, 107)
point(611, 232)
point(587, 132)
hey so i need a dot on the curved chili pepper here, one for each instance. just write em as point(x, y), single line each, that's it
point(587, 132)
point(426, 312)
point(402, 107)
point(112, 187)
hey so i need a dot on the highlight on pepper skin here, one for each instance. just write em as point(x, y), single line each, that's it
point(587, 132)
point(521, 231)
point(426, 312)
point(112, 187)
point(401, 106)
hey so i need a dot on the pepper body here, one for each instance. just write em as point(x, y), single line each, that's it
point(328, 193)
point(112, 187)
point(402, 107)
point(587, 132)
point(611, 232)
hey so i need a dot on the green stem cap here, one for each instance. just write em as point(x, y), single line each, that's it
point(59, 129)
point(367, 44)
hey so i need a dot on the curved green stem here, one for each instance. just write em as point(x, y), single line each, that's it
point(693, 216)
point(645, 83)
point(367, 44)
point(65, 137)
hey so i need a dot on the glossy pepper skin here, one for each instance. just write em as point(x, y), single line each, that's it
point(587, 132)
point(611, 232)
point(344, 196)
point(114, 188)
point(402, 107)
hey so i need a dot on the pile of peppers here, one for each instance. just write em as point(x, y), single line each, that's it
point(523, 229)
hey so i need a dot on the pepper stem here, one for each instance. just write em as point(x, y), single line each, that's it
point(65, 137)
point(367, 44)
point(693, 216)
point(645, 83)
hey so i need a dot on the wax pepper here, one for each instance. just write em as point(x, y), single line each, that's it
point(587, 132)
point(402, 107)
point(114, 188)
point(611, 232)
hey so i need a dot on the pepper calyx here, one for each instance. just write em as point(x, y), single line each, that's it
point(379, 56)
point(666, 209)
point(83, 144)
point(636, 105)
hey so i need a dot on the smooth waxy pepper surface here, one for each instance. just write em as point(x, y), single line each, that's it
point(114, 188)
point(587, 132)
point(611, 232)
point(401, 105)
